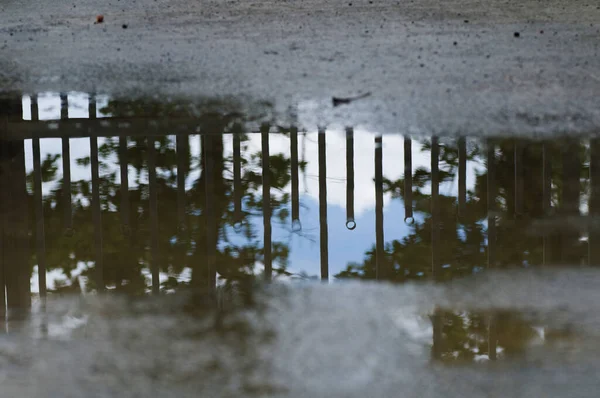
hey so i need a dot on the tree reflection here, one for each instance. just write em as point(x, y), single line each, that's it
point(155, 208)
point(521, 198)
point(518, 203)
point(127, 215)
point(465, 336)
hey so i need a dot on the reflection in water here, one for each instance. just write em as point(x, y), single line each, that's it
point(161, 212)
point(350, 221)
point(435, 213)
point(323, 206)
point(266, 200)
point(462, 176)
point(123, 168)
point(491, 205)
point(237, 181)
point(96, 214)
point(294, 167)
point(408, 188)
point(547, 197)
point(594, 201)
point(39, 209)
point(381, 263)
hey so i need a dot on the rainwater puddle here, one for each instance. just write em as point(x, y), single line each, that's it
point(139, 234)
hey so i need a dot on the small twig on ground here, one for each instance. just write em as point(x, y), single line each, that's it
point(337, 101)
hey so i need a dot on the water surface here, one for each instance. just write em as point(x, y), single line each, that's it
point(139, 233)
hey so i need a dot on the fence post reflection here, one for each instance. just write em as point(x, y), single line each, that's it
point(123, 166)
point(435, 210)
point(408, 203)
point(182, 144)
point(571, 175)
point(210, 219)
point(350, 220)
point(519, 178)
point(462, 176)
point(266, 181)
point(491, 203)
point(14, 218)
point(39, 207)
point(296, 225)
point(381, 266)
point(594, 204)
point(546, 198)
point(66, 162)
point(96, 206)
point(491, 210)
point(153, 204)
point(3, 252)
point(324, 237)
point(237, 176)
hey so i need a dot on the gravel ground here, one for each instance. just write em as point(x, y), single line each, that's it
point(431, 67)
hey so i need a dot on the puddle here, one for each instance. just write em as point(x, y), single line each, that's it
point(147, 197)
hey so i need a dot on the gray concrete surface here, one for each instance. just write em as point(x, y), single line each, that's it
point(296, 55)
point(310, 340)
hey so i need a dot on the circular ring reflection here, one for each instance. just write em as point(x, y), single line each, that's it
point(351, 224)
